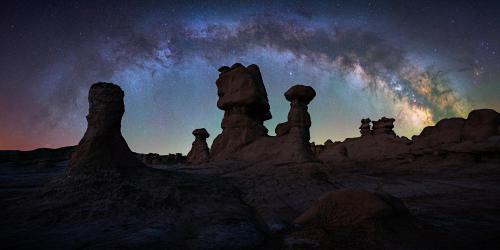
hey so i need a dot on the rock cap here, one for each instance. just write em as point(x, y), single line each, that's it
point(300, 92)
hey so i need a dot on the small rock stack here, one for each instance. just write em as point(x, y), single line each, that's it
point(199, 152)
point(365, 128)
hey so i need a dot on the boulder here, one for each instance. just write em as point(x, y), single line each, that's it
point(377, 220)
point(103, 146)
point(199, 152)
point(243, 98)
point(481, 124)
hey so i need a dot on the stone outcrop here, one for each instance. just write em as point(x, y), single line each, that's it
point(481, 124)
point(370, 217)
point(199, 152)
point(243, 97)
point(444, 132)
point(384, 126)
point(351, 208)
point(365, 128)
point(475, 136)
point(103, 146)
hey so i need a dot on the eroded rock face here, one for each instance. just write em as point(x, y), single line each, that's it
point(243, 98)
point(365, 128)
point(481, 124)
point(445, 131)
point(384, 126)
point(199, 152)
point(103, 146)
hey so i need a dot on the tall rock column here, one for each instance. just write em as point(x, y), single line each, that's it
point(295, 132)
point(299, 120)
point(199, 152)
point(243, 98)
point(103, 146)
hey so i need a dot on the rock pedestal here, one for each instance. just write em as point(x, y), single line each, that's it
point(365, 128)
point(243, 98)
point(295, 131)
point(199, 152)
point(103, 146)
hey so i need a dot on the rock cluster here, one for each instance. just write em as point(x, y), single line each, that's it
point(384, 126)
point(243, 97)
point(103, 146)
point(157, 159)
point(199, 152)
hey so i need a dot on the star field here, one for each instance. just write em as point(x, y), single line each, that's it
point(416, 62)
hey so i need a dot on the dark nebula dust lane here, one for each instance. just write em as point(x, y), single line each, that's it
point(417, 62)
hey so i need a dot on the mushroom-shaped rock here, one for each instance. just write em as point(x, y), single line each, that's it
point(302, 93)
point(299, 122)
point(199, 152)
point(103, 146)
point(243, 98)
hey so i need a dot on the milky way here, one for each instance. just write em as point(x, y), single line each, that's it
point(416, 62)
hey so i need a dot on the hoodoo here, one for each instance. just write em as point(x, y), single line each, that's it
point(103, 146)
point(199, 152)
point(243, 98)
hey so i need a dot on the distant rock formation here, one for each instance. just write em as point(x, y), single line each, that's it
point(474, 136)
point(384, 126)
point(199, 152)
point(39, 156)
point(243, 97)
point(103, 146)
point(157, 159)
point(365, 128)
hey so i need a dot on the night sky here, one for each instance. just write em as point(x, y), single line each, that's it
point(416, 62)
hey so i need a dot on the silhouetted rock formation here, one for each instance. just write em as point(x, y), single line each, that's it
point(444, 132)
point(481, 124)
point(199, 152)
point(243, 98)
point(475, 136)
point(292, 141)
point(103, 146)
point(299, 120)
point(365, 128)
point(383, 126)
point(38, 156)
